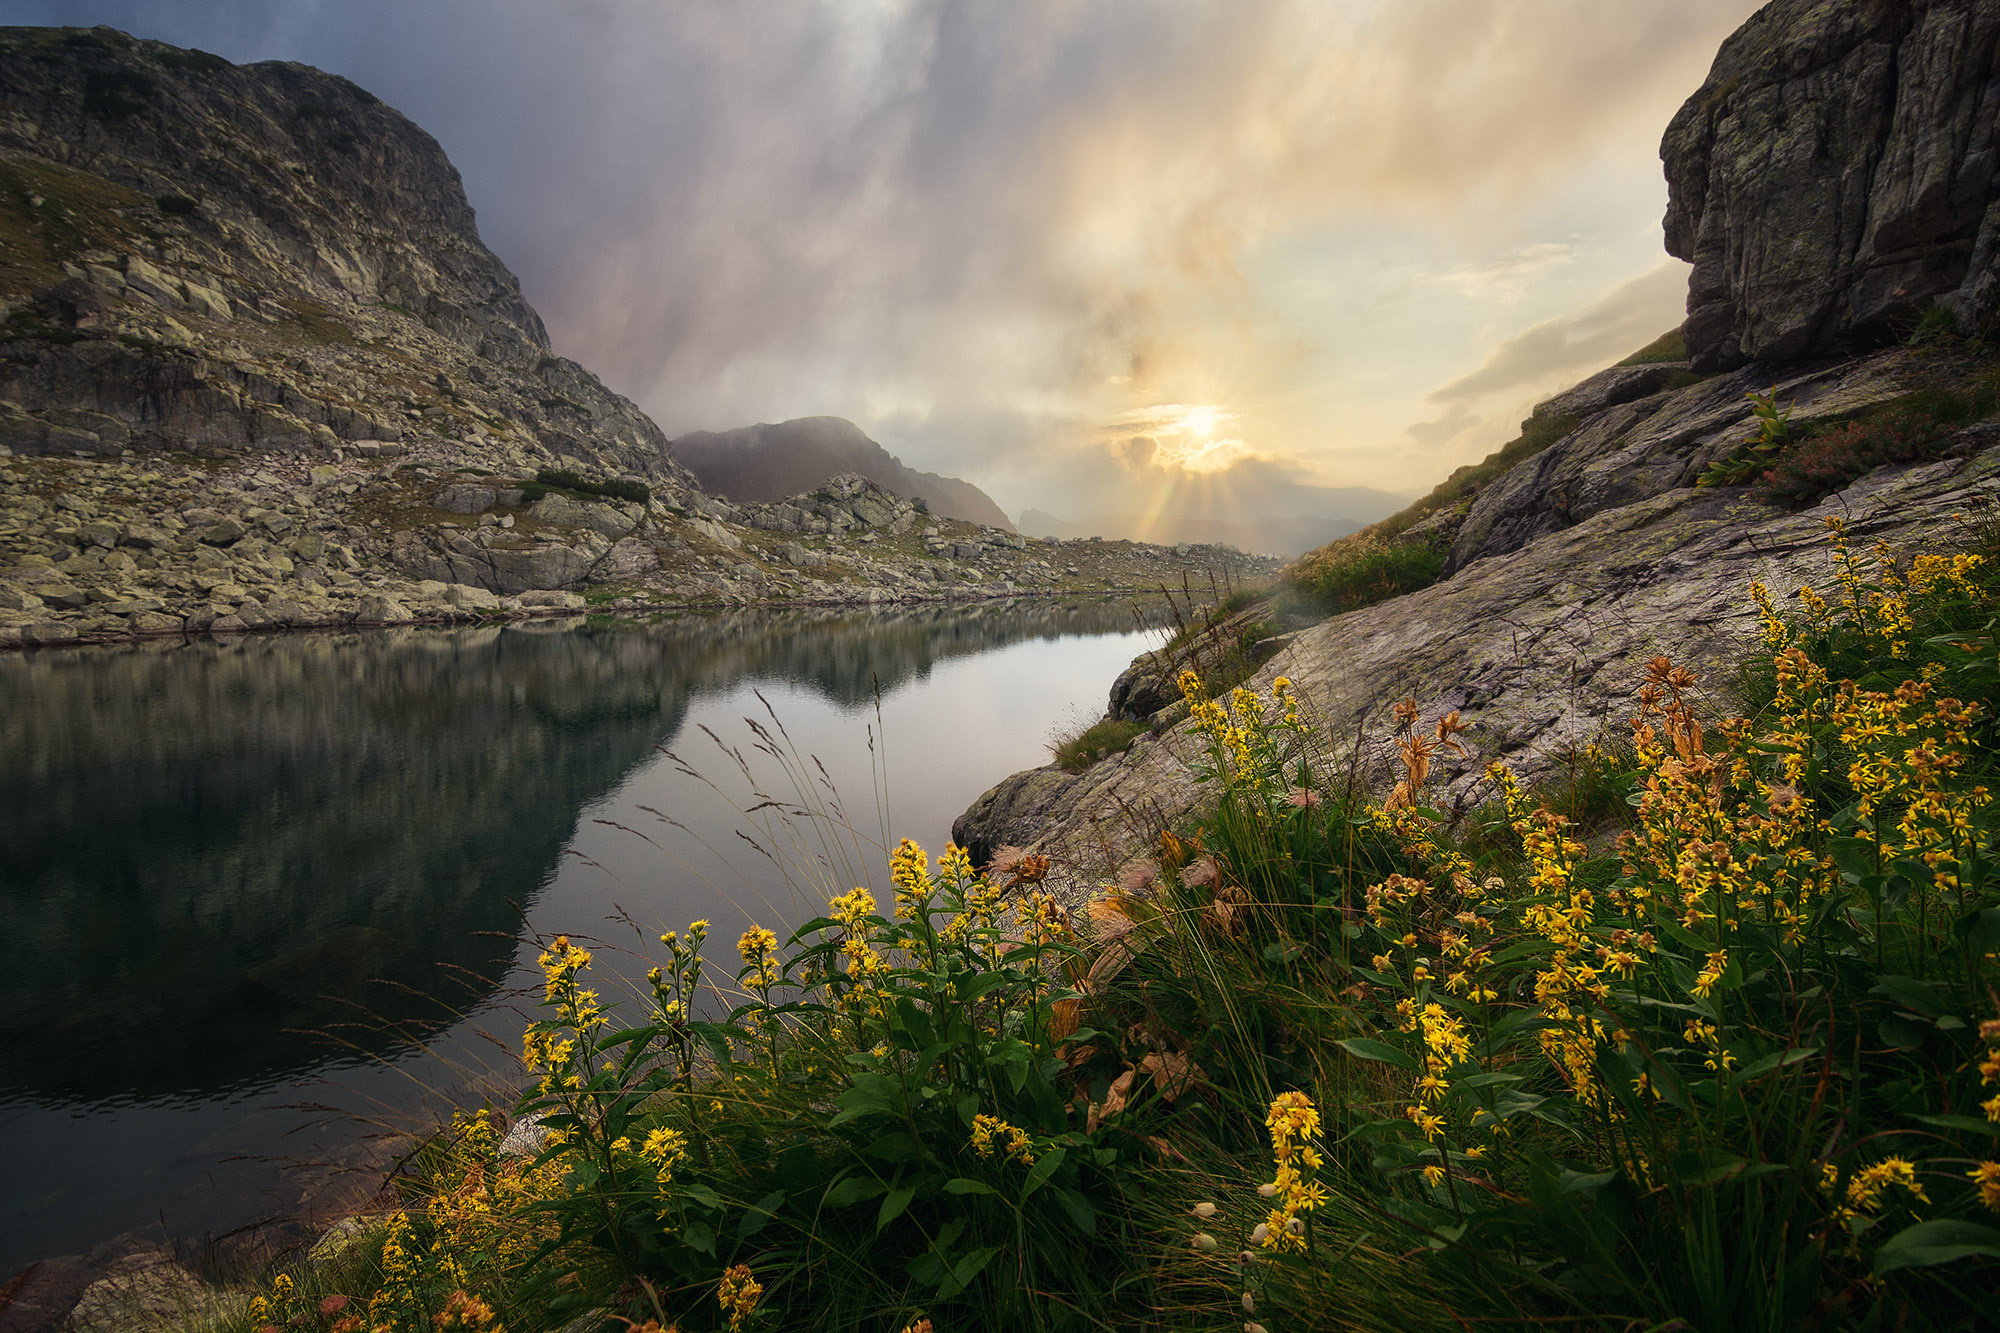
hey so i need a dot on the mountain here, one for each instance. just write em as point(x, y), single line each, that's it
point(765, 462)
point(259, 371)
point(1284, 535)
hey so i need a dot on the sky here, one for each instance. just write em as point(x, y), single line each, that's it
point(1071, 250)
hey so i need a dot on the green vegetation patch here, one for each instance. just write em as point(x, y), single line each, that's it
point(1668, 347)
point(577, 485)
point(1099, 740)
point(319, 323)
point(1345, 577)
point(1798, 464)
point(191, 60)
point(78, 212)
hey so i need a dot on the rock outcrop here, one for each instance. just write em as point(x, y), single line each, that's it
point(1838, 174)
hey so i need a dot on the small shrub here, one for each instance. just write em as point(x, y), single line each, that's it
point(637, 492)
point(1773, 436)
point(1075, 753)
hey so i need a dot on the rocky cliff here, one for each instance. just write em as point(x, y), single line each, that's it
point(771, 462)
point(1832, 173)
point(1837, 175)
point(257, 370)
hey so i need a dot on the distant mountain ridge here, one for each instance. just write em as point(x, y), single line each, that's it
point(762, 463)
point(1283, 535)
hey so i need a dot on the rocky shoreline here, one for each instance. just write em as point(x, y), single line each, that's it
point(109, 550)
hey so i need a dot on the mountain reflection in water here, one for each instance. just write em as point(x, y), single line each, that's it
point(218, 853)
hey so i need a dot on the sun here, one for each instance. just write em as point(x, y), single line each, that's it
point(1198, 421)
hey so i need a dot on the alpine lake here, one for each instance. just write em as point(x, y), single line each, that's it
point(271, 903)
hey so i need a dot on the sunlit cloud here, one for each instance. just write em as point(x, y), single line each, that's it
point(1572, 345)
point(1036, 216)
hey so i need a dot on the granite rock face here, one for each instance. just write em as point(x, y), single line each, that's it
point(1837, 173)
point(1627, 449)
point(1539, 648)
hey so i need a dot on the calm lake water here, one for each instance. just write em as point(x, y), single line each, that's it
point(263, 900)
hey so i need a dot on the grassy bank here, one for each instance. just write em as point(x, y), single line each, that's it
point(1701, 1033)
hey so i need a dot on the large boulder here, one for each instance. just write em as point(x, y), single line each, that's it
point(1837, 173)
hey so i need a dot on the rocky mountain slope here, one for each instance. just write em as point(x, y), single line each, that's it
point(258, 370)
point(1568, 572)
point(771, 462)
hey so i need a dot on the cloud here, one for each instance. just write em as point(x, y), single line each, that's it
point(956, 210)
point(1620, 323)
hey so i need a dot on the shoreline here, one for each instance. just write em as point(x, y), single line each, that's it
point(622, 608)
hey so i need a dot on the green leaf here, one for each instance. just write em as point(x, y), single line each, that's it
point(872, 1094)
point(967, 1185)
point(1904, 1036)
point(1366, 1049)
point(1854, 856)
point(1044, 1167)
point(893, 1204)
point(1970, 1124)
point(1911, 994)
point(965, 1270)
point(1775, 1060)
point(703, 1195)
point(851, 1190)
point(759, 1215)
point(897, 1148)
point(1938, 1241)
point(1473, 1082)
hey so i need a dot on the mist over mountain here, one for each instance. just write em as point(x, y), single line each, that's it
point(754, 464)
point(1255, 505)
point(1285, 536)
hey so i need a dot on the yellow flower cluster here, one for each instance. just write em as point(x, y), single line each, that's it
point(737, 1295)
point(955, 865)
point(1866, 1187)
point(1445, 1043)
point(1986, 1175)
point(561, 962)
point(1560, 910)
point(908, 872)
point(1043, 920)
point(986, 1129)
point(758, 948)
point(852, 910)
point(664, 1148)
point(1249, 737)
point(1907, 748)
point(1294, 1124)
